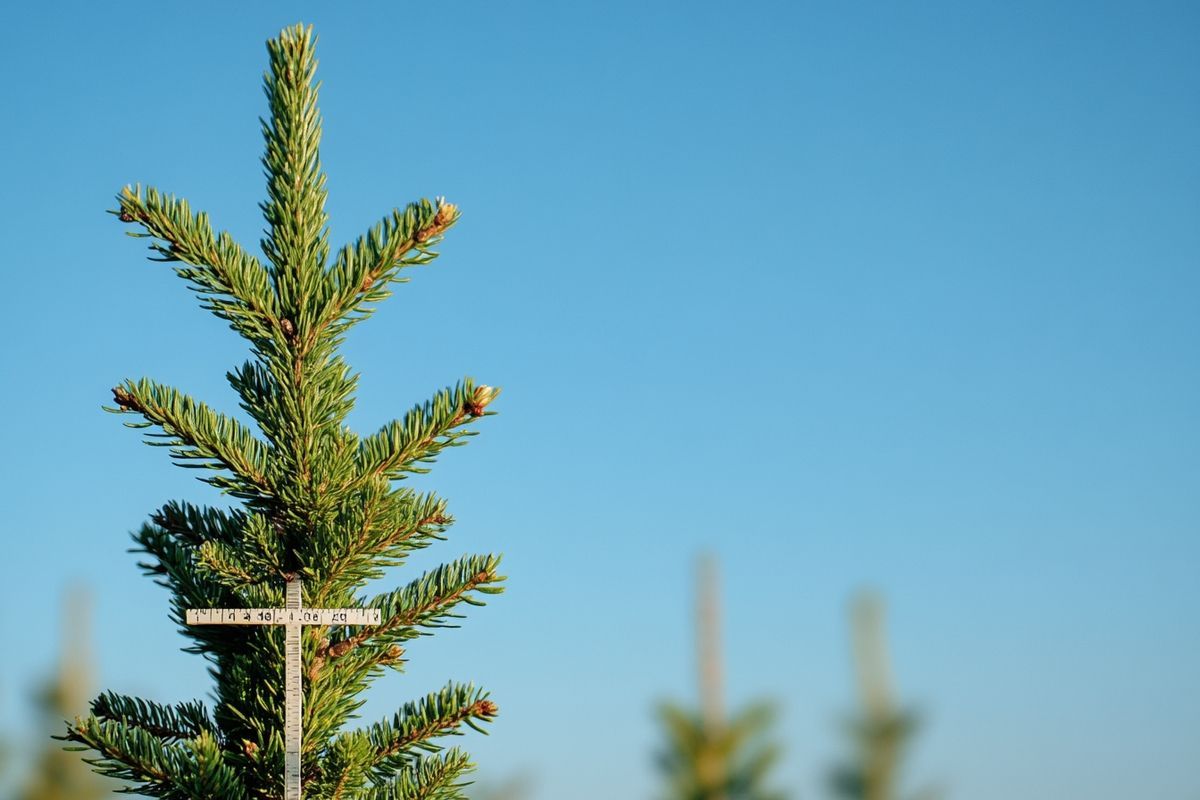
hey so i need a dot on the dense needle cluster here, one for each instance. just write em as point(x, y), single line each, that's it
point(314, 498)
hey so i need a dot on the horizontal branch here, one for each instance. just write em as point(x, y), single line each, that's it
point(126, 752)
point(195, 525)
point(181, 721)
point(192, 768)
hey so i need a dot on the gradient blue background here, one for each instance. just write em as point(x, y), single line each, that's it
point(900, 295)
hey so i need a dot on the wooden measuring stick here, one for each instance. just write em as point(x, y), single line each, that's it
point(293, 617)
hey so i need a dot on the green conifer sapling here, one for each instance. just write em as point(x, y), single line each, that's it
point(314, 499)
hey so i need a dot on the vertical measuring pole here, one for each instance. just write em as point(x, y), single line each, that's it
point(293, 617)
point(293, 692)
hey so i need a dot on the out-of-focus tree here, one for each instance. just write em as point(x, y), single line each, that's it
point(518, 787)
point(880, 731)
point(707, 755)
point(58, 774)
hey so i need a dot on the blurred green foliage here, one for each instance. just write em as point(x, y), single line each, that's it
point(707, 756)
point(880, 732)
point(731, 761)
point(58, 774)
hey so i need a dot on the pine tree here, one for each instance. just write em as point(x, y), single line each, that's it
point(707, 756)
point(58, 775)
point(881, 731)
point(310, 498)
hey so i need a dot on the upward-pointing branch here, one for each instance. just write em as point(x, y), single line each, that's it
point(234, 285)
point(362, 271)
point(297, 238)
point(426, 430)
point(199, 436)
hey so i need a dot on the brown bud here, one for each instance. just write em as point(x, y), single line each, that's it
point(487, 708)
point(125, 217)
point(341, 648)
point(288, 328)
point(125, 401)
point(250, 748)
point(480, 398)
point(441, 220)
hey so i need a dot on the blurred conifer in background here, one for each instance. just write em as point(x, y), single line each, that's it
point(707, 755)
point(57, 774)
point(880, 732)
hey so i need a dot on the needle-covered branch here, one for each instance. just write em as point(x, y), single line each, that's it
point(399, 446)
point(431, 777)
point(414, 728)
point(233, 548)
point(200, 437)
point(428, 602)
point(169, 723)
point(193, 769)
point(363, 271)
point(195, 525)
point(173, 565)
point(376, 529)
point(232, 283)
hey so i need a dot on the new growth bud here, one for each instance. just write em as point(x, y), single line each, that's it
point(125, 401)
point(483, 395)
point(445, 214)
point(443, 219)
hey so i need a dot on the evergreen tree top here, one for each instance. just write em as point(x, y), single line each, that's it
point(315, 499)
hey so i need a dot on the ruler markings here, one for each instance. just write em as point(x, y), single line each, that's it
point(293, 618)
point(293, 695)
point(283, 616)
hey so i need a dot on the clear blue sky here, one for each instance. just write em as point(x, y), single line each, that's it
point(900, 295)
